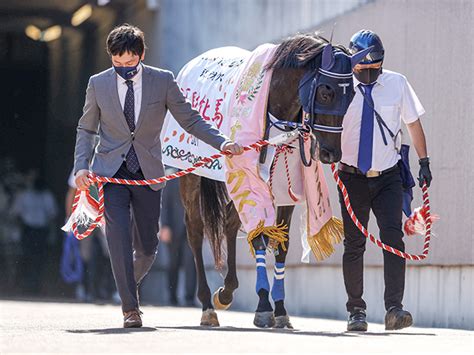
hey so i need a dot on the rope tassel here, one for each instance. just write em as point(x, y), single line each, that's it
point(85, 209)
point(277, 233)
point(322, 244)
point(417, 223)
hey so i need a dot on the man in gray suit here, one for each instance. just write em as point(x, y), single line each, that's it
point(126, 106)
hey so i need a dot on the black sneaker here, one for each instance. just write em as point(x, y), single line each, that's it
point(397, 318)
point(357, 322)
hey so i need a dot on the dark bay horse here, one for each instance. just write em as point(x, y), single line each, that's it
point(303, 61)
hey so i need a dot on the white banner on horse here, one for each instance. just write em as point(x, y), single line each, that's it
point(207, 82)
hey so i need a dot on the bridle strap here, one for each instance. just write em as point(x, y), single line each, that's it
point(328, 129)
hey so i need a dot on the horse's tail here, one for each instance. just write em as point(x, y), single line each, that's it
point(213, 210)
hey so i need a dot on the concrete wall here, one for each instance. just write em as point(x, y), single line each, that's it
point(190, 27)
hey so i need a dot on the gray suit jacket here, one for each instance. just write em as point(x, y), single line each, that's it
point(103, 116)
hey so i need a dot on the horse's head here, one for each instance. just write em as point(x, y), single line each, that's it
point(325, 94)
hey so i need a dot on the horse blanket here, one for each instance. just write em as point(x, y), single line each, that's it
point(207, 82)
point(229, 86)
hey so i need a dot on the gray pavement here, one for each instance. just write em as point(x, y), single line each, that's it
point(61, 328)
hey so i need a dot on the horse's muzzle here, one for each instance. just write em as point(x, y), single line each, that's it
point(327, 156)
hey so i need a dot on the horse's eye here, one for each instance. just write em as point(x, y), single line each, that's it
point(325, 95)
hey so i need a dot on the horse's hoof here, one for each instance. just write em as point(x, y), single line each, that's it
point(283, 322)
point(209, 318)
point(264, 319)
point(217, 303)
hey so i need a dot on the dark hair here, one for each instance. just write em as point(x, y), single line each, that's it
point(126, 38)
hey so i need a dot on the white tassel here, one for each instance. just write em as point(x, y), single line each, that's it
point(416, 223)
point(84, 213)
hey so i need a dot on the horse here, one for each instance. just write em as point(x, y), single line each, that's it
point(302, 60)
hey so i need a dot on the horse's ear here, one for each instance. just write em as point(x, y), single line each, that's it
point(357, 57)
point(328, 57)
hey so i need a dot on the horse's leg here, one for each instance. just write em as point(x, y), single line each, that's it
point(190, 190)
point(264, 317)
point(223, 296)
point(282, 320)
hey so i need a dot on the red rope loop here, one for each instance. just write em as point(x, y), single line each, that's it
point(367, 234)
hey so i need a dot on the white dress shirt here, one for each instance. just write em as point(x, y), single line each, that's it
point(395, 100)
point(137, 90)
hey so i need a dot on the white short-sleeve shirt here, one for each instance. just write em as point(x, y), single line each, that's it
point(395, 100)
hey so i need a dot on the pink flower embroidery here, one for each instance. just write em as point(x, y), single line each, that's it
point(242, 98)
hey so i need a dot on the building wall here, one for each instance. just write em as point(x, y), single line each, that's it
point(190, 27)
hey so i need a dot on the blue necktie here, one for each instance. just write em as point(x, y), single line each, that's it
point(129, 111)
point(364, 161)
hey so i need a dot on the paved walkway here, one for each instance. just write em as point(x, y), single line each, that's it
point(61, 328)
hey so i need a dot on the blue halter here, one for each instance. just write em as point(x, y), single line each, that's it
point(335, 73)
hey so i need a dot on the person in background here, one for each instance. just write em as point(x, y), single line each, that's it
point(36, 209)
point(12, 183)
point(173, 233)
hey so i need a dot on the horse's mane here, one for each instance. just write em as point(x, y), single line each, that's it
point(300, 52)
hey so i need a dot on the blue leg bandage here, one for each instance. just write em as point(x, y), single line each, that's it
point(262, 279)
point(278, 288)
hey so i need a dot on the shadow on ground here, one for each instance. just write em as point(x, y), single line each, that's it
point(106, 331)
point(290, 331)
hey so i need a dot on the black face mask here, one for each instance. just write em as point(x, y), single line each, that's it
point(368, 76)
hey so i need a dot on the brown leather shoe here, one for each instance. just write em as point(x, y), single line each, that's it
point(132, 319)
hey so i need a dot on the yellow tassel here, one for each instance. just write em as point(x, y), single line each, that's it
point(322, 243)
point(277, 233)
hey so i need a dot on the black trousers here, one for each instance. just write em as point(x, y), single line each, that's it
point(131, 217)
point(382, 195)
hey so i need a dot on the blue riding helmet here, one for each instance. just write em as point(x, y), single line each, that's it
point(364, 39)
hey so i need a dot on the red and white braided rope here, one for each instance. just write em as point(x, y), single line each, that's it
point(365, 232)
point(257, 146)
point(285, 149)
point(100, 180)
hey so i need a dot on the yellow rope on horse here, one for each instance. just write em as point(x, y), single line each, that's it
point(277, 233)
point(322, 243)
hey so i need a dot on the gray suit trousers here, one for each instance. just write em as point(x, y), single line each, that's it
point(131, 216)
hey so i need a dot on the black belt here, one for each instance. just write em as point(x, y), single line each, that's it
point(371, 173)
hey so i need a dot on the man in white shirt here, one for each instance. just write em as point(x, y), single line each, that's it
point(370, 153)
